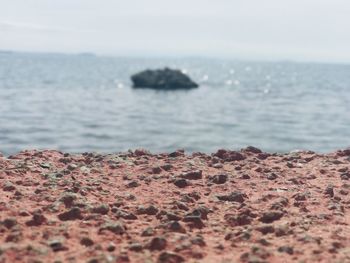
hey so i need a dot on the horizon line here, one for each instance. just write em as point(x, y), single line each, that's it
point(145, 55)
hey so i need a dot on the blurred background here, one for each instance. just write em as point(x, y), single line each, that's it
point(272, 74)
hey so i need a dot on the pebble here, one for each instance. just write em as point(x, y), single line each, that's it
point(329, 190)
point(102, 209)
point(217, 165)
point(68, 199)
point(132, 184)
point(238, 220)
point(148, 232)
point(193, 175)
point(270, 216)
point(149, 210)
point(181, 205)
point(8, 187)
point(286, 249)
point(72, 214)
point(170, 257)
point(115, 227)
point(9, 222)
point(157, 243)
point(272, 176)
point(137, 247)
point(235, 196)
point(265, 229)
point(219, 178)
point(86, 241)
point(125, 215)
point(175, 226)
point(37, 219)
point(57, 245)
point(181, 183)
point(195, 221)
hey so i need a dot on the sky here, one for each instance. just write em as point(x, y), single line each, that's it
point(305, 30)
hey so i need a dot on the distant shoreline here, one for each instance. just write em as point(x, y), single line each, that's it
point(133, 55)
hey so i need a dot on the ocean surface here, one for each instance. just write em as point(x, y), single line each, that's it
point(79, 103)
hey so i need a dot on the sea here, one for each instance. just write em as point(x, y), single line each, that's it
point(84, 102)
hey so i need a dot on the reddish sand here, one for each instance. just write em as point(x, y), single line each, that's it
point(245, 206)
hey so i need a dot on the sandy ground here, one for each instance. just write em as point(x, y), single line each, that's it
point(245, 206)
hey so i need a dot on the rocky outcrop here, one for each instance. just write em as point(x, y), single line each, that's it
point(230, 206)
point(163, 79)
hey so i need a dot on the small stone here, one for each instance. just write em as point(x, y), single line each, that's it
point(218, 165)
point(200, 211)
point(272, 176)
point(345, 176)
point(125, 215)
point(235, 196)
point(195, 221)
point(177, 153)
point(141, 152)
point(170, 257)
point(175, 226)
point(181, 205)
point(264, 242)
point(137, 247)
point(219, 178)
point(173, 216)
point(167, 167)
point(132, 184)
point(270, 216)
point(37, 220)
point(193, 175)
point(329, 191)
point(301, 196)
point(45, 165)
point(8, 187)
point(286, 249)
point(252, 149)
point(57, 245)
point(115, 227)
point(24, 213)
point(14, 236)
point(156, 170)
point(72, 214)
point(72, 167)
point(343, 192)
point(238, 220)
point(280, 204)
point(123, 257)
point(265, 229)
point(111, 247)
point(9, 222)
point(149, 231)
point(149, 210)
point(198, 240)
point(86, 241)
point(157, 243)
point(68, 199)
point(229, 156)
point(181, 183)
point(102, 209)
point(245, 176)
point(256, 255)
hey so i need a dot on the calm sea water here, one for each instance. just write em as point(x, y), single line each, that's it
point(81, 103)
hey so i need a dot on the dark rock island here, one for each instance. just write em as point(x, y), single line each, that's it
point(164, 79)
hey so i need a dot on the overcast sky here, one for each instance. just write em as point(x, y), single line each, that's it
point(316, 30)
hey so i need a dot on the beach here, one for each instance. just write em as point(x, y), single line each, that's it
point(228, 206)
